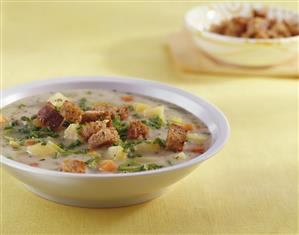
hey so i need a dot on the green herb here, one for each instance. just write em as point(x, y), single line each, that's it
point(134, 166)
point(152, 166)
point(154, 122)
point(43, 159)
point(25, 119)
point(21, 105)
point(130, 107)
point(33, 117)
point(129, 145)
point(93, 162)
point(11, 125)
point(159, 141)
point(83, 104)
point(136, 115)
point(169, 162)
point(133, 155)
point(121, 127)
point(130, 166)
point(74, 144)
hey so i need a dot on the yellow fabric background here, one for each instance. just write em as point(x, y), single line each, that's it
point(251, 186)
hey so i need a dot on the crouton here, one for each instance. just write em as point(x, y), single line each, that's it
point(176, 138)
point(91, 128)
point(73, 165)
point(48, 116)
point(137, 130)
point(71, 112)
point(93, 115)
point(112, 111)
point(105, 136)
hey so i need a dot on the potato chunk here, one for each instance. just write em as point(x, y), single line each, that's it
point(176, 138)
point(73, 165)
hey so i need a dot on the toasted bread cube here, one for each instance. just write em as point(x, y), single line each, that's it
point(92, 116)
point(91, 128)
point(73, 165)
point(105, 136)
point(137, 130)
point(112, 111)
point(176, 138)
point(71, 112)
point(48, 116)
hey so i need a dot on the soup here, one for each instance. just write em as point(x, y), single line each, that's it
point(100, 131)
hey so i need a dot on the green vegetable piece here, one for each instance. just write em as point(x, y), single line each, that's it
point(121, 127)
point(154, 122)
point(130, 166)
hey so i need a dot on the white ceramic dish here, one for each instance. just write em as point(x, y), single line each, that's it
point(240, 51)
point(114, 190)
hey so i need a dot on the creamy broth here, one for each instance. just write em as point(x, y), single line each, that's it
point(29, 139)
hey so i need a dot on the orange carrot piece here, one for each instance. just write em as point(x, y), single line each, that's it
point(2, 119)
point(127, 98)
point(108, 166)
point(34, 164)
point(188, 127)
point(30, 142)
point(197, 149)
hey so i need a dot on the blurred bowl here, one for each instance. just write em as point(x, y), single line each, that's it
point(240, 51)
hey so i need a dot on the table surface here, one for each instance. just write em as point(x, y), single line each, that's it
point(251, 186)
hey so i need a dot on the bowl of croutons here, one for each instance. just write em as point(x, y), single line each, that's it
point(244, 34)
point(105, 141)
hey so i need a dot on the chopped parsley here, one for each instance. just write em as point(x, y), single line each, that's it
point(154, 122)
point(83, 104)
point(121, 127)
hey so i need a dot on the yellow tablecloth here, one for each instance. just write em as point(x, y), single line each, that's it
point(249, 187)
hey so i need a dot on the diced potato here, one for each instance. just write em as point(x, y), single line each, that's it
point(116, 153)
point(2, 119)
point(71, 133)
point(180, 156)
point(108, 166)
point(140, 107)
point(197, 138)
point(57, 99)
point(147, 148)
point(176, 120)
point(155, 111)
point(14, 144)
point(39, 150)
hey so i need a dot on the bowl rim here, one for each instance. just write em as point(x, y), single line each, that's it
point(189, 24)
point(214, 148)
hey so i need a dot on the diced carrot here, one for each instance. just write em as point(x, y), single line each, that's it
point(108, 166)
point(127, 98)
point(197, 149)
point(34, 164)
point(188, 127)
point(30, 142)
point(2, 119)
